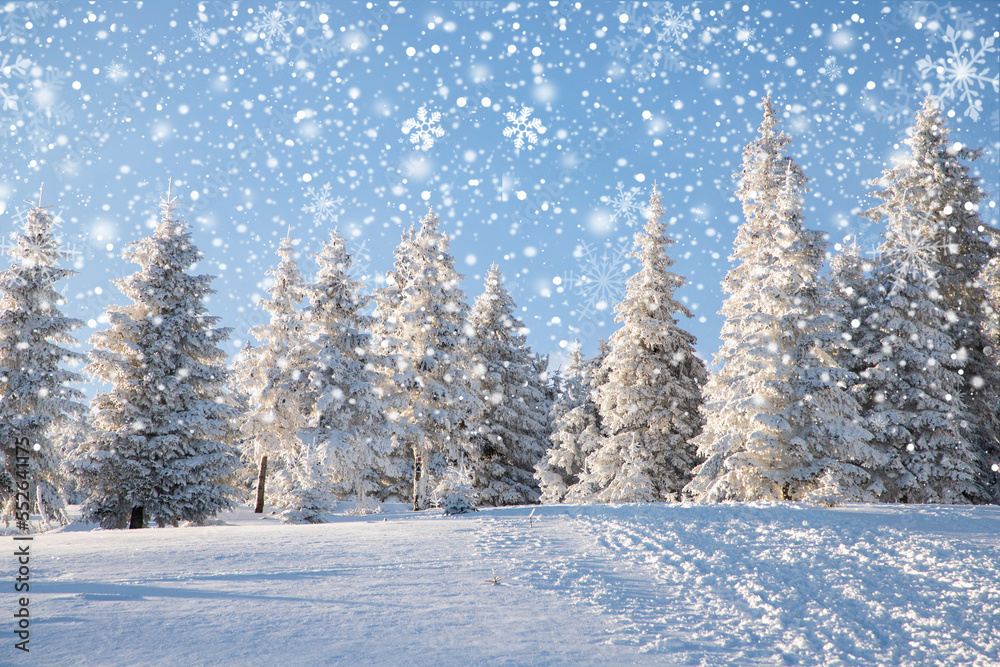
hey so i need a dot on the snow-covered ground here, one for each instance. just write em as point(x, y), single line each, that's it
point(594, 585)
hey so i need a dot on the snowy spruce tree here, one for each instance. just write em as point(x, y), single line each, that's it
point(575, 429)
point(934, 185)
point(36, 387)
point(514, 423)
point(780, 423)
point(157, 451)
point(423, 332)
point(650, 399)
point(274, 378)
point(851, 283)
point(989, 279)
point(912, 377)
point(349, 418)
point(587, 421)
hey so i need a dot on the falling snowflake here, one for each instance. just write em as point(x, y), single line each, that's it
point(745, 35)
point(523, 128)
point(899, 98)
point(323, 206)
point(958, 74)
point(273, 25)
point(8, 100)
point(831, 69)
point(931, 17)
point(626, 204)
point(424, 128)
point(674, 25)
point(116, 72)
point(360, 262)
point(603, 273)
point(201, 34)
point(914, 252)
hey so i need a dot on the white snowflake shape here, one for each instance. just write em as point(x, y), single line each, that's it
point(603, 273)
point(9, 100)
point(360, 262)
point(674, 25)
point(831, 69)
point(745, 35)
point(899, 99)
point(273, 25)
point(524, 128)
point(323, 207)
point(914, 252)
point(958, 74)
point(931, 17)
point(424, 128)
point(201, 34)
point(116, 72)
point(626, 204)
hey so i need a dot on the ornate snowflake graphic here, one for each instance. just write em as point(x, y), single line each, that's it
point(931, 17)
point(626, 204)
point(323, 206)
point(424, 128)
point(603, 273)
point(360, 262)
point(899, 99)
point(914, 251)
point(674, 26)
point(524, 128)
point(202, 35)
point(9, 101)
point(116, 72)
point(831, 69)
point(273, 25)
point(958, 75)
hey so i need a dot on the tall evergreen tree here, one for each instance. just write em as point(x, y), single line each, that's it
point(274, 377)
point(851, 283)
point(780, 424)
point(350, 417)
point(36, 388)
point(158, 451)
point(912, 378)
point(649, 403)
point(515, 418)
point(575, 429)
point(422, 329)
point(934, 184)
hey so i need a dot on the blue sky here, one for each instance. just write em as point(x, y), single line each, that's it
point(535, 129)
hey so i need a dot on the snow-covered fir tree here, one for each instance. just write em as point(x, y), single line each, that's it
point(36, 387)
point(851, 283)
point(953, 245)
point(349, 418)
point(422, 331)
point(989, 279)
point(911, 384)
point(514, 421)
point(780, 423)
point(575, 429)
point(587, 422)
point(157, 451)
point(274, 378)
point(650, 399)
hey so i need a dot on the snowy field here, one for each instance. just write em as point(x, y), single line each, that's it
point(592, 585)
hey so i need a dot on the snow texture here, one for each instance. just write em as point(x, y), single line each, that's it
point(753, 584)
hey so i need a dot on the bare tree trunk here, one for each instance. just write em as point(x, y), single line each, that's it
point(136, 519)
point(417, 487)
point(259, 509)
